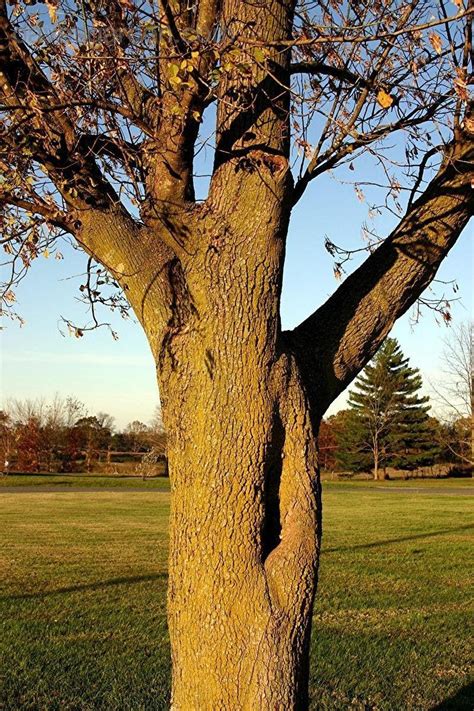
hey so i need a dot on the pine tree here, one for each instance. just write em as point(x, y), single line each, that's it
point(354, 451)
point(387, 423)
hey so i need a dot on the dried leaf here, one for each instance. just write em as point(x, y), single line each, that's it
point(460, 84)
point(436, 42)
point(469, 124)
point(446, 316)
point(384, 99)
point(52, 10)
point(359, 193)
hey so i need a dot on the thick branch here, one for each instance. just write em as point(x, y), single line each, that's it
point(206, 16)
point(52, 137)
point(37, 206)
point(98, 145)
point(253, 126)
point(335, 343)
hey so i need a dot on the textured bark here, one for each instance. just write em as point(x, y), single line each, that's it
point(244, 535)
point(243, 465)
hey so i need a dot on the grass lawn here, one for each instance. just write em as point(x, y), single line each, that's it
point(90, 481)
point(83, 600)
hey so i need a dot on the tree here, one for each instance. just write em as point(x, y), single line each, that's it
point(6, 440)
point(43, 433)
point(103, 113)
point(93, 433)
point(456, 392)
point(137, 434)
point(326, 445)
point(388, 424)
point(59, 418)
point(29, 419)
point(30, 445)
point(354, 451)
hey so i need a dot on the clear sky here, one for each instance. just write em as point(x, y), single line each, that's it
point(118, 377)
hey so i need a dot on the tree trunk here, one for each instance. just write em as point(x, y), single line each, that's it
point(376, 462)
point(384, 466)
point(244, 549)
point(471, 388)
point(245, 514)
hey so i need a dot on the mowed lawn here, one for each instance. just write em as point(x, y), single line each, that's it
point(83, 592)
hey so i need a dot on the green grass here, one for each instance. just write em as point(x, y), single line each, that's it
point(121, 481)
point(84, 586)
point(91, 481)
point(415, 483)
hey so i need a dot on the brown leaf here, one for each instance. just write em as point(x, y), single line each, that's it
point(52, 10)
point(469, 124)
point(359, 193)
point(460, 84)
point(436, 42)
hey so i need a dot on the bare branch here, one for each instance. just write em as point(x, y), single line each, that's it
point(319, 68)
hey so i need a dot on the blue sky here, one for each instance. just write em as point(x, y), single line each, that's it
point(118, 377)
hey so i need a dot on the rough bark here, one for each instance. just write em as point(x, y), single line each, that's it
point(243, 465)
point(244, 537)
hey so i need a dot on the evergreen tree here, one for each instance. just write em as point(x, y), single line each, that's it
point(354, 452)
point(387, 423)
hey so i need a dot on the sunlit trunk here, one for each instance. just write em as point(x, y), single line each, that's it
point(244, 535)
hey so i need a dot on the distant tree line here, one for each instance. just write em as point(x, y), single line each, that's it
point(387, 425)
point(62, 436)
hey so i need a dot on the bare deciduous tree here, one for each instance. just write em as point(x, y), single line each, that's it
point(456, 391)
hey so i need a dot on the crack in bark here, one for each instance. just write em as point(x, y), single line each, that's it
point(271, 527)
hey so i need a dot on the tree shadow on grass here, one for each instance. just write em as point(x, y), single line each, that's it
point(462, 701)
point(401, 539)
point(88, 586)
